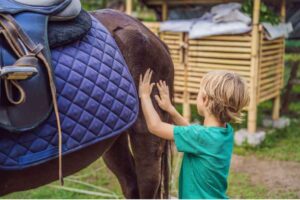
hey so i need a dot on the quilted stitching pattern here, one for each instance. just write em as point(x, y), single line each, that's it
point(96, 96)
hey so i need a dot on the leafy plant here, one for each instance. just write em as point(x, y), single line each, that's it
point(266, 13)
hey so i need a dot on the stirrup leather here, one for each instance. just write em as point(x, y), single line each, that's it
point(25, 68)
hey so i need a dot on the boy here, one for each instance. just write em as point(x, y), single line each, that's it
point(207, 148)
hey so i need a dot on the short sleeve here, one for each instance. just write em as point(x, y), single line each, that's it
point(187, 139)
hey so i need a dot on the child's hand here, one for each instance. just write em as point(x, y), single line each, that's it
point(163, 99)
point(145, 87)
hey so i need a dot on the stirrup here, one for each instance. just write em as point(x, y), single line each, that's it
point(17, 72)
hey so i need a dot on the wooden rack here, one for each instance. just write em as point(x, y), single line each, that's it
point(259, 61)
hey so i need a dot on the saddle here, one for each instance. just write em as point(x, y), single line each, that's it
point(28, 92)
point(97, 100)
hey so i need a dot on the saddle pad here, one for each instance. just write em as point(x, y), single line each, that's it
point(97, 99)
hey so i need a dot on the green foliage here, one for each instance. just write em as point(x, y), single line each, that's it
point(266, 13)
point(94, 4)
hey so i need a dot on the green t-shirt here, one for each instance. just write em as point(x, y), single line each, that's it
point(206, 160)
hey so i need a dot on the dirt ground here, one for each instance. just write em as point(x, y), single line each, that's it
point(275, 175)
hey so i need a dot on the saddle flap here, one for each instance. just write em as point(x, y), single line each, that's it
point(27, 103)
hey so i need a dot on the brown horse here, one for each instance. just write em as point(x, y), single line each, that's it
point(141, 168)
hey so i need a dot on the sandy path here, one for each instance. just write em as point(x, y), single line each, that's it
point(275, 175)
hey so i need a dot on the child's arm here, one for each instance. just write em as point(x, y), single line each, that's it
point(153, 121)
point(164, 102)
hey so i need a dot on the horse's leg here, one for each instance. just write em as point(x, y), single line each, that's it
point(148, 154)
point(120, 161)
point(148, 167)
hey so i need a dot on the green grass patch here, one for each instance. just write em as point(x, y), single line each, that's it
point(279, 145)
point(240, 187)
point(94, 182)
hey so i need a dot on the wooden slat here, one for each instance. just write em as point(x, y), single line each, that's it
point(228, 38)
point(267, 92)
point(267, 58)
point(193, 89)
point(178, 82)
point(272, 42)
point(219, 49)
point(220, 55)
point(174, 46)
point(272, 79)
point(268, 86)
point(270, 53)
point(220, 61)
point(197, 78)
point(218, 43)
point(175, 52)
point(270, 62)
point(173, 33)
point(193, 85)
point(269, 68)
point(218, 66)
point(268, 73)
point(170, 37)
point(198, 71)
point(268, 97)
point(275, 46)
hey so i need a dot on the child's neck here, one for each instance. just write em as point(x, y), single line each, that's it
point(210, 120)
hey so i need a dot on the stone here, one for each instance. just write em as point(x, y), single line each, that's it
point(279, 123)
point(267, 122)
point(253, 139)
point(240, 137)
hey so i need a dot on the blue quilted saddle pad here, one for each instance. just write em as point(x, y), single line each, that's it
point(97, 99)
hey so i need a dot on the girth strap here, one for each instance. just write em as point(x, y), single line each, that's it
point(27, 50)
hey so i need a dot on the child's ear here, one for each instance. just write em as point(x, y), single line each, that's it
point(205, 101)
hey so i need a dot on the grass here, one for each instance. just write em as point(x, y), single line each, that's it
point(279, 145)
point(240, 187)
point(94, 182)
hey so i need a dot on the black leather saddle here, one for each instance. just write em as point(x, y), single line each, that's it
point(26, 101)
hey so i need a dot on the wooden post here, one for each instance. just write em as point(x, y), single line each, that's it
point(283, 10)
point(252, 112)
point(164, 10)
point(186, 95)
point(276, 102)
point(129, 7)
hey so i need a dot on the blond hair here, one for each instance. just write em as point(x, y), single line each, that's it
point(227, 95)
